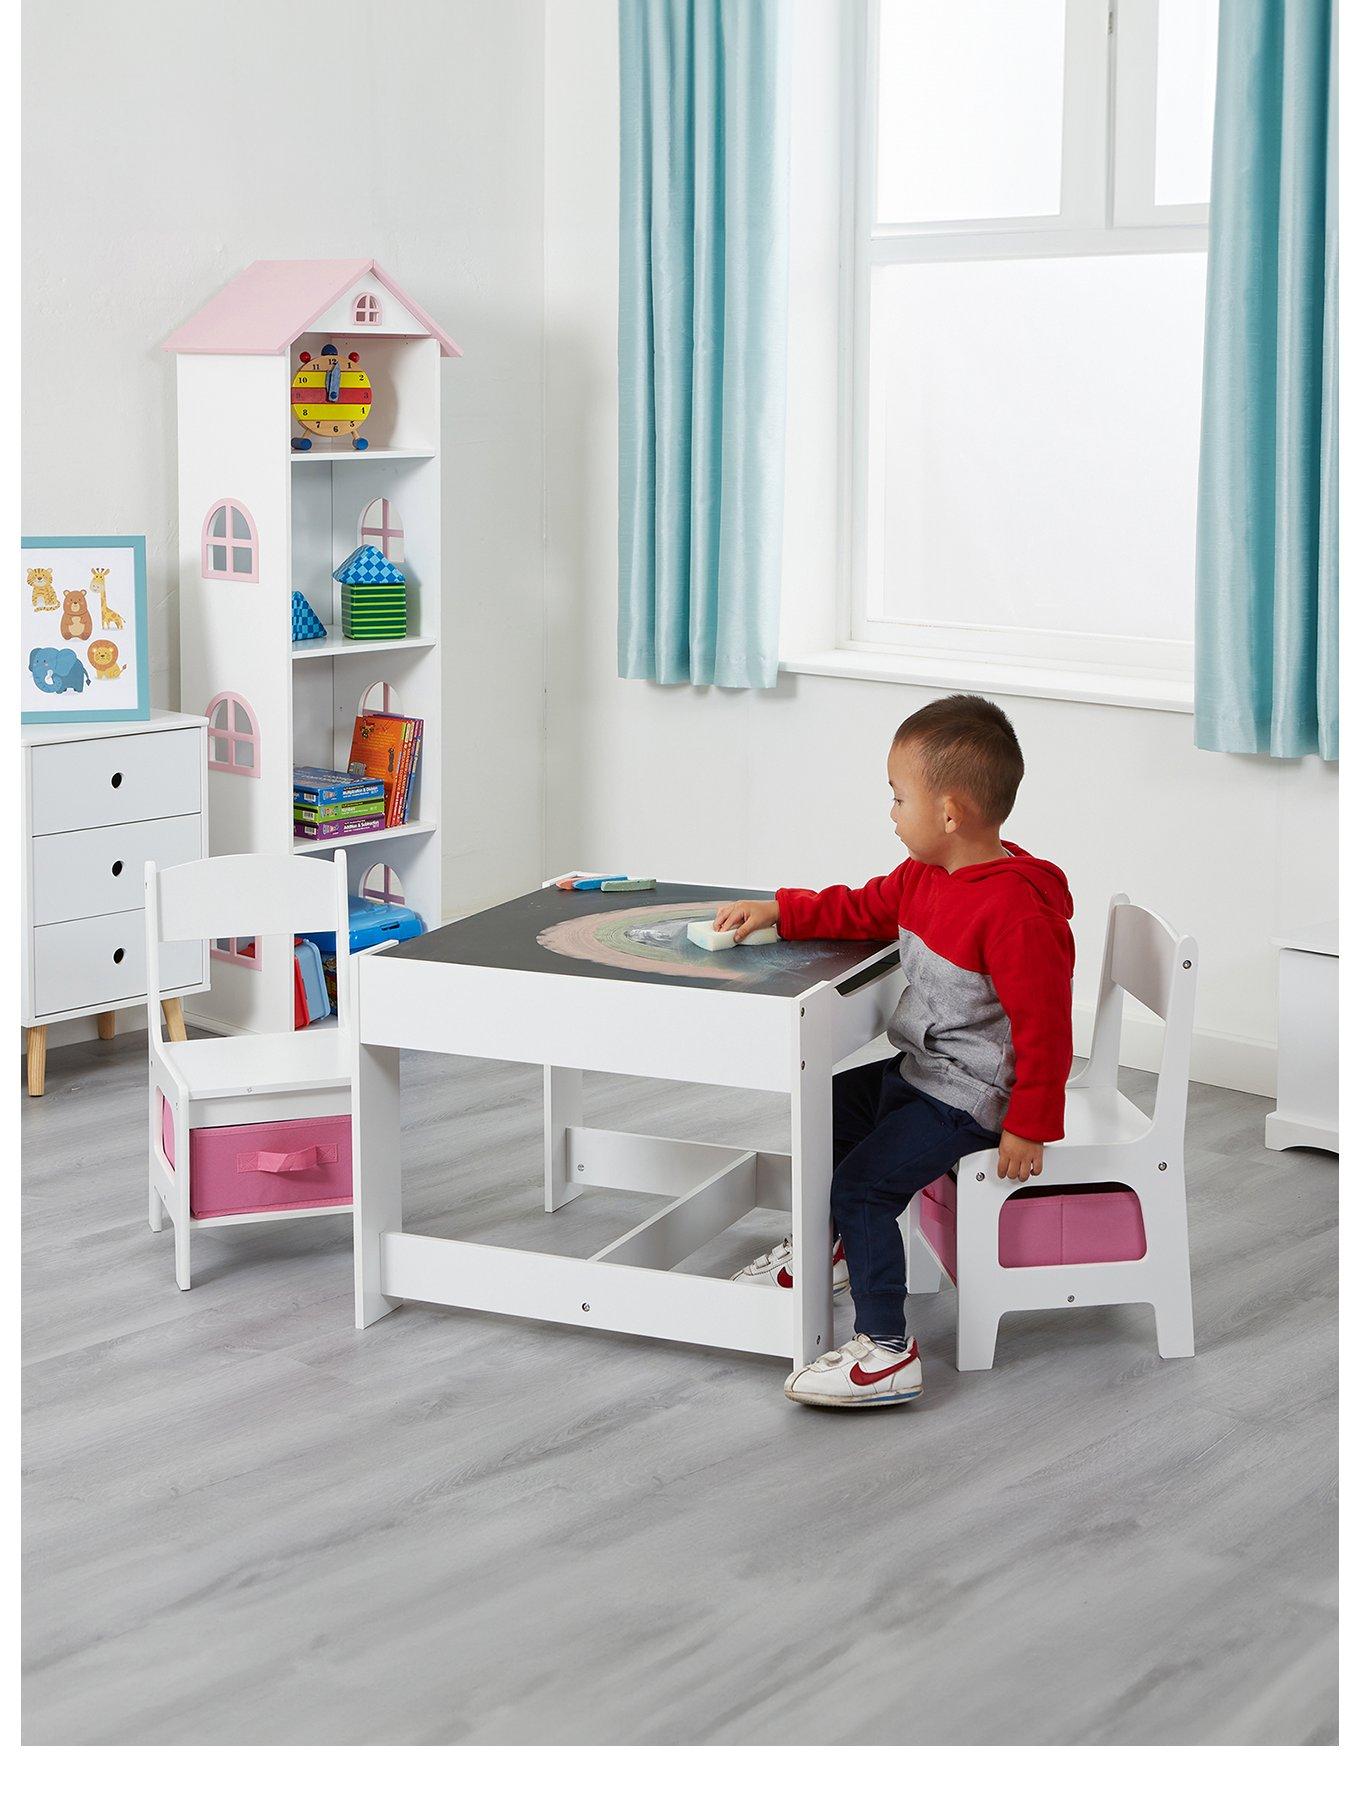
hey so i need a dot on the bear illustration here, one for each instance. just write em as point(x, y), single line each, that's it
point(57, 671)
point(75, 619)
point(102, 654)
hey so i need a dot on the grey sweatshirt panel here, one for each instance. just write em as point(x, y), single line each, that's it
point(954, 1037)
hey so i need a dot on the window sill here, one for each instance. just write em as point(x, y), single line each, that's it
point(1127, 687)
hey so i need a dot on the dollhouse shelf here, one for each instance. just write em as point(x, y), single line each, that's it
point(367, 647)
point(334, 456)
point(260, 522)
point(414, 828)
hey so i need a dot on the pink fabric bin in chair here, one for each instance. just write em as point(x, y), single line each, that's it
point(281, 1165)
point(1042, 1229)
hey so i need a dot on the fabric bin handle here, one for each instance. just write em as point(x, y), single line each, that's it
point(285, 1162)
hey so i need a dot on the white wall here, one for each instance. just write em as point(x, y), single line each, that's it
point(789, 786)
point(169, 144)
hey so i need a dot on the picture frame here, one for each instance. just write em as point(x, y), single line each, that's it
point(84, 633)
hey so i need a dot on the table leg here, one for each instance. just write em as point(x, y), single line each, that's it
point(173, 1021)
point(377, 1173)
point(562, 1108)
point(812, 1166)
point(107, 1025)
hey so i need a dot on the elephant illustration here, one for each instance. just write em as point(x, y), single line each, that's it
point(57, 671)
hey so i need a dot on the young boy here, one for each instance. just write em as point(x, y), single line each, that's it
point(982, 1029)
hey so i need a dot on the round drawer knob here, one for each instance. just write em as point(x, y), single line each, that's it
point(117, 779)
point(118, 955)
point(117, 866)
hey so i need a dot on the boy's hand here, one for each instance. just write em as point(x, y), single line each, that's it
point(745, 916)
point(1018, 1158)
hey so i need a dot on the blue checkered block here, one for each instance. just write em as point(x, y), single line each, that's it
point(305, 622)
point(368, 567)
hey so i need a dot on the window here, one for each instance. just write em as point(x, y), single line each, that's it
point(229, 543)
point(366, 310)
point(380, 697)
point(231, 736)
point(1031, 199)
point(382, 883)
point(381, 525)
point(246, 951)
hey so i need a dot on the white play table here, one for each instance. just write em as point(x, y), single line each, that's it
point(484, 987)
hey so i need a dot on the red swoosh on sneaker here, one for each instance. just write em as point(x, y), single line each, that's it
point(861, 1377)
point(783, 1278)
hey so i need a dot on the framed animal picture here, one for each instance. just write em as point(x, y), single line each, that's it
point(84, 635)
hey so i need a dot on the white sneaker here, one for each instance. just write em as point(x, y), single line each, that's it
point(774, 1268)
point(861, 1374)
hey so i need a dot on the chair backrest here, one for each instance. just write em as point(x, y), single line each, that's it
point(1146, 958)
point(256, 895)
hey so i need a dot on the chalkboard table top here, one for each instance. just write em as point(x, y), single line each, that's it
point(633, 937)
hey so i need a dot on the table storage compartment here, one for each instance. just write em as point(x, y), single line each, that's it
point(281, 1165)
point(1043, 1229)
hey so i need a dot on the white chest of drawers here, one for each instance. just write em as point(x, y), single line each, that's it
point(100, 801)
point(1307, 1104)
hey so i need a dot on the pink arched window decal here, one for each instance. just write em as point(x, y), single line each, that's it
point(381, 883)
point(229, 543)
point(247, 951)
point(381, 525)
point(366, 310)
point(380, 697)
point(231, 736)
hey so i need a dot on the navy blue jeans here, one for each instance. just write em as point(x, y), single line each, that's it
point(890, 1140)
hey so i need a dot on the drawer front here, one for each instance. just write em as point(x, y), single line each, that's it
point(111, 781)
point(86, 965)
point(82, 874)
point(281, 1166)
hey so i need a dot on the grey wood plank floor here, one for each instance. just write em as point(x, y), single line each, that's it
point(247, 1523)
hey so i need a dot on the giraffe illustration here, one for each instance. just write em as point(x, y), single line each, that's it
point(44, 594)
point(109, 620)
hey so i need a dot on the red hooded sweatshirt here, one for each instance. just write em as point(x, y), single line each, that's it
point(985, 1020)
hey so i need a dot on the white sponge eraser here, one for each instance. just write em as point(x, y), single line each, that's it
point(701, 933)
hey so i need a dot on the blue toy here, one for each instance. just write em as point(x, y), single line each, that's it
point(58, 671)
point(305, 622)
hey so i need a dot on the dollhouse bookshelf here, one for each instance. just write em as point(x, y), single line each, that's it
point(290, 518)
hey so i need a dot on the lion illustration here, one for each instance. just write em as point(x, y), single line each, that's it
point(75, 619)
point(102, 654)
point(44, 594)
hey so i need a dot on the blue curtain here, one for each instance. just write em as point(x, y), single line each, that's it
point(1266, 565)
point(702, 337)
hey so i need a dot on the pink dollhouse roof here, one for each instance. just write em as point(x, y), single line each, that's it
point(266, 307)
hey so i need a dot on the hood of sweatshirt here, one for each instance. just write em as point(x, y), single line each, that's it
point(1045, 880)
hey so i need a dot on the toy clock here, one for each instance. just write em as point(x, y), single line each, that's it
point(331, 397)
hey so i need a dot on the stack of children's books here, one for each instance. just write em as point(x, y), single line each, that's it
point(329, 804)
point(386, 747)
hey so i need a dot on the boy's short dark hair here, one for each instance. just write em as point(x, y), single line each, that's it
point(967, 746)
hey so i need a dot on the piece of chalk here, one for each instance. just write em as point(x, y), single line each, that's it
point(701, 933)
point(593, 883)
point(627, 884)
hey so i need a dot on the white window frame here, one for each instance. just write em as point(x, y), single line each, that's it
point(1108, 175)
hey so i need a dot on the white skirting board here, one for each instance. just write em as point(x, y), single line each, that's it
point(1243, 1064)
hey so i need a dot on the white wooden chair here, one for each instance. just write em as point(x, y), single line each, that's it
point(256, 1077)
point(1107, 1139)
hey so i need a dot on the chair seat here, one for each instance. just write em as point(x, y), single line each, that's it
point(298, 1061)
point(1101, 1116)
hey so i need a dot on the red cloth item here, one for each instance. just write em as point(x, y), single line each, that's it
point(985, 1022)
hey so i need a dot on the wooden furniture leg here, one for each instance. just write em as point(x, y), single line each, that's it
point(173, 1021)
point(37, 1060)
point(107, 1025)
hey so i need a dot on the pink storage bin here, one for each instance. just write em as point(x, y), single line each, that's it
point(1043, 1229)
point(282, 1165)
